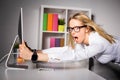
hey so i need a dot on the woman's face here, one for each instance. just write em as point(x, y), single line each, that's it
point(80, 36)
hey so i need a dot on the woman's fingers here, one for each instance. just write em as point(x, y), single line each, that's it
point(23, 43)
point(21, 47)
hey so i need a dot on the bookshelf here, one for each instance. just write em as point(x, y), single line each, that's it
point(49, 25)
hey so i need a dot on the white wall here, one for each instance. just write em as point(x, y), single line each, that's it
point(106, 14)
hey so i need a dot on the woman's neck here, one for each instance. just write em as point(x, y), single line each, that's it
point(86, 40)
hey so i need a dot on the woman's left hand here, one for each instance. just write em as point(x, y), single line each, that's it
point(25, 52)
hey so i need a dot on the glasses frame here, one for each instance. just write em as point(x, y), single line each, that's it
point(76, 28)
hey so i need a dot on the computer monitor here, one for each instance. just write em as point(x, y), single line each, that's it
point(12, 56)
point(20, 27)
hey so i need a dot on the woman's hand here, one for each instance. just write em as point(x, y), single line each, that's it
point(25, 52)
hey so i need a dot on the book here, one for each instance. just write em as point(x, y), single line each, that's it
point(45, 19)
point(57, 42)
point(61, 42)
point(52, 42)
point(50, 22)
point(55, 22)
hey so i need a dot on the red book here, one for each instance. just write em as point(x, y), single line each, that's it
point(55, 22)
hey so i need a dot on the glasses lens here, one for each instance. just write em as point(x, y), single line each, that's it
point(77, 29)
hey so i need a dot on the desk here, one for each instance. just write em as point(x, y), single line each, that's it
point(71, 74)
point(68, 74)
point(48, 74)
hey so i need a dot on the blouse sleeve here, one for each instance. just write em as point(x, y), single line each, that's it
point(87, 51)
point(57, 54)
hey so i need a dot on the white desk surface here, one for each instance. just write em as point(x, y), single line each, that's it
point(68, 74)
point(76, 72)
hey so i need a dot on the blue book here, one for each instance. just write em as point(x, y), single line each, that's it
point(57, 42)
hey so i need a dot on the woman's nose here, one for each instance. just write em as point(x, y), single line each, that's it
point(72, 32)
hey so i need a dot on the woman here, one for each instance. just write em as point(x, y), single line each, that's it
point(86, 39)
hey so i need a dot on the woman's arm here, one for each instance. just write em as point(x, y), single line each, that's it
point(26, 53)
point(54, 54)
point(85, 52)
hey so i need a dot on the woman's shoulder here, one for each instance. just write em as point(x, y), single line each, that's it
point(96, 38)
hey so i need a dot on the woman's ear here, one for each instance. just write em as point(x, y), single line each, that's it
point(87, 29)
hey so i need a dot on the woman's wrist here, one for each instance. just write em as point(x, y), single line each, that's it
point(34, 56)
point(39, 51)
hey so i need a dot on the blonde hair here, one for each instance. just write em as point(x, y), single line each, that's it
point(93, 27)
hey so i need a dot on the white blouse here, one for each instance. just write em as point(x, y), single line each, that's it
point(98, 46)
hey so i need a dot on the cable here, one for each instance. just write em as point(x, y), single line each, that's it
point(3, 57)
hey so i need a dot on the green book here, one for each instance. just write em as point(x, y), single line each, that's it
point(45, 19)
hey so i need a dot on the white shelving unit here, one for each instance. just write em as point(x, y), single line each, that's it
point(63, 12)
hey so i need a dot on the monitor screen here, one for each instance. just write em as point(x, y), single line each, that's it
point(20, 26)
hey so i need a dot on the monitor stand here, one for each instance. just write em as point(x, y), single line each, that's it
point(14, 65)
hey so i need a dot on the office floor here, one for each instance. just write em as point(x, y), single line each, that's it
point(103, 70)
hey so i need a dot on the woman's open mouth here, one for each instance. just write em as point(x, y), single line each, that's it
point(75, 39)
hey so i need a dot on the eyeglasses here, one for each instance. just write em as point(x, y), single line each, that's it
point(76, 28)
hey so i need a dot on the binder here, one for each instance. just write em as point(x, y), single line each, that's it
point(50, 22)
point(45, 19)
point(55, 22)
